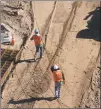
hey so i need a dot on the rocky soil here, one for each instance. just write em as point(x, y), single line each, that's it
point(91, 97)
point(18, 16)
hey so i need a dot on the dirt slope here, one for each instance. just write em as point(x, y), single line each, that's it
point(72, 42)
point(91, 97)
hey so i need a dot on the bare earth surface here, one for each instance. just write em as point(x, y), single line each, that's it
point(72, 41)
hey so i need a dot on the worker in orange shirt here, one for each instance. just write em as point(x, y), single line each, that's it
point(12, 41)
point(38, 43)
point(58, 79)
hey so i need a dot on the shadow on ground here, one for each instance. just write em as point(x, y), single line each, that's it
point(25, 60)
point(31, 100)
point(93, 27)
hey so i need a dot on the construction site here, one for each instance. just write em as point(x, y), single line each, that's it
point(71, 38)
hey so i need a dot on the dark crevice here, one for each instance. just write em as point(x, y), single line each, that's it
point(31, 15)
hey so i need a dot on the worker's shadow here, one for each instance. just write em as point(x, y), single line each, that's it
point(31, 100)
point(25, 60)
point(93, 27)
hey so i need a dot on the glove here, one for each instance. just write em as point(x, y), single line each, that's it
point(63, 82)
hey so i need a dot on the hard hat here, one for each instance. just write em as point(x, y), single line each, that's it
point(54, 68)
point(36, 31)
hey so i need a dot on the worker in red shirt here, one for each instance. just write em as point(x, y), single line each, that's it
point(38, 43)
point(58, 79)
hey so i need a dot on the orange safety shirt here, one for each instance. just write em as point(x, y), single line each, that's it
point(37, 39)
point(57, 75)
point(12, 41)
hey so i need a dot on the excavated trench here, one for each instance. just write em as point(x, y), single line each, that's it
point(32, 81)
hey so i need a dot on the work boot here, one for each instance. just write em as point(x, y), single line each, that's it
point(41, 57)
point(57, 97)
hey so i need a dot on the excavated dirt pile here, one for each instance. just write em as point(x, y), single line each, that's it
point(71, 39)
point(18, 17)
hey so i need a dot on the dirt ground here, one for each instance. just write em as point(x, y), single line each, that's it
point(71, 38)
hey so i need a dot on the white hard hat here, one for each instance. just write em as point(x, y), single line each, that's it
point(56, 67)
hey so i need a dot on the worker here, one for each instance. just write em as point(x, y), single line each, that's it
point(58, 79)
point(12, 41)
point(38, 43)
